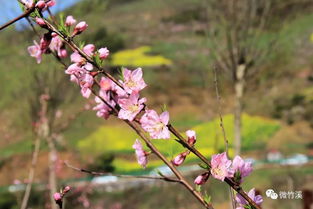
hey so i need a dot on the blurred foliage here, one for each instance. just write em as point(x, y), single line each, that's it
point(102, 38)
point(138, 57)
point(295, 107)
point(119, 139)
point(255, 132)
point(7, 200)
point(102, 163)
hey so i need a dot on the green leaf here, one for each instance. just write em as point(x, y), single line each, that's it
point(21, 6)
point(81, 44)
point(207, 198)
point(164, 108)
point(204, 166)
point(198, 188)
point(97, 59)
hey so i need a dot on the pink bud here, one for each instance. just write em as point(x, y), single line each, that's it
point(62, 53)
point(191, 137)
point(45, 42)
point(103, 53)
point(202, 178)
point(70, 21)
point(53, 34)
point(80, 27)
point(51, 3)
point(66, 189)
point(41, 4)
point(57, 196)
point(40, 22)
point(89, 49)
point(179, 159)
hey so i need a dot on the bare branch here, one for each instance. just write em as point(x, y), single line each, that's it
point(25, 14)
point(96, 173)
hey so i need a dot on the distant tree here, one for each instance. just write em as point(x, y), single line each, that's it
point(47, 92)
point(239, 42)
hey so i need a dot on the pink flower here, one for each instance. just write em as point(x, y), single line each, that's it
point(56, 45)
point(81, 61)
point(77, 58)
point(243, 203)
point(57, 196)
point(103, 53)
point(70, 21)
point(41, 4)
point(89, 49)
point(221, 166)
point(201, 179)
point(140, 154)
point(133, 80)
point(105, 84)
point(40, 22)
point(86, 84)
point(79, 28)
point(156, 125)
point(191, 137)
point(51, 3)
point(131, 106)
point(35, 51)
point(241, 168)
point(179, 159)
point(76, 72)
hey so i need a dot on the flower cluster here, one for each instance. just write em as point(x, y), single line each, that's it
point(222, 167)
point(122, 95)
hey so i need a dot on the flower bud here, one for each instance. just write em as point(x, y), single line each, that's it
point(57, 196)
point(179, 159)
point(41, 4)
point(66, 189)
point(89, 49)
point(62, 53)
point(103, 53)
point(191, 137)
point(51, 3)
point(70, 21)
point(79, 28)
point(201, 179)
point(45, 42)
point(40, 22)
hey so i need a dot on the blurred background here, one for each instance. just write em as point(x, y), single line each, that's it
point(263, 57)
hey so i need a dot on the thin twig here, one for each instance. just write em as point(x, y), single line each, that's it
point(97, 173)
point(218, 98)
